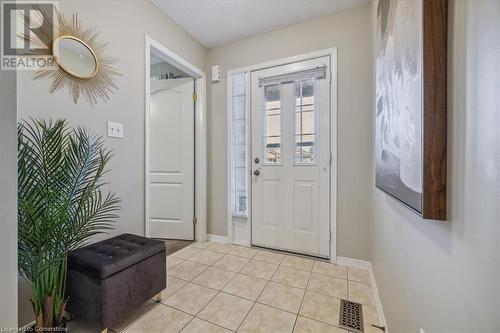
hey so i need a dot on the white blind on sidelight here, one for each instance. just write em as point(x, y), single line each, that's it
point(239, 172)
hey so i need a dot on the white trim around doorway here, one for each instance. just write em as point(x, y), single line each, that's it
point(200, 189)
point(239, 228)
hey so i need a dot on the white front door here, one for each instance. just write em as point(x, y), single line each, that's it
point(171, 159)
point(291, 157)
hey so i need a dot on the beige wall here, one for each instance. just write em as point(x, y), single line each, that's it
point(123, 24)
point(349, 31)
point(444, 277)
point(8, 199)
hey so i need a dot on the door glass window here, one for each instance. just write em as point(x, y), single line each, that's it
point(271, 131)
point(305, 122)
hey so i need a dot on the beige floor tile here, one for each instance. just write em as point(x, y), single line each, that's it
point(220, 247)
point(162, 319)
point(206, 257)
point(358, 275)
point(306, 325)
point(172, 262)
point(330, 269)
point(269, 257)
point(244, 251)
point(245, 286)
point(265, 319)
point(214, 278)
point(226, 310)
point(283, 297)
point(322, 308)
point(191, 298)
point(326, 285)
point(173, 284)
point(298, 263)
point(133, 316)
point(187, 270)
point(370, 316)
point(259, 269)
point(201, 326)
point(291, 277)
point(231, 263)
point(201, 245)
point(186, 252)
point(361, 293)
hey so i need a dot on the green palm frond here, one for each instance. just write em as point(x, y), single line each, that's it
point(61, 202)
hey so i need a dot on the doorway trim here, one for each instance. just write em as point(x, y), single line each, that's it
point(245, 231)
point(200, 176)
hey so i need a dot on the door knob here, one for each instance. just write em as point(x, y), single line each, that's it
point(256, 172)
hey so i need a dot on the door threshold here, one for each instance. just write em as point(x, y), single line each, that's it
point(292, 252)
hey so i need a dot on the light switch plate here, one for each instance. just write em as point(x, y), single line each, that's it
point(115, 130)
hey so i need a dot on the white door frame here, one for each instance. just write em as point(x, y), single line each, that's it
point(332, 52)
point(200, 188)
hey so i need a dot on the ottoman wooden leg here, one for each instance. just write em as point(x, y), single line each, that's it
point(158, 297)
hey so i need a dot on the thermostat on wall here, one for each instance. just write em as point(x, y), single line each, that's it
point(216, 73)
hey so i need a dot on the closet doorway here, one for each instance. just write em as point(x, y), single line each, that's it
point(175, 158)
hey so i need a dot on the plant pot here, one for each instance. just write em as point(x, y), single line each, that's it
point(56, 329)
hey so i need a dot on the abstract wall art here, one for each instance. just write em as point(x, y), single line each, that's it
point(410, 132)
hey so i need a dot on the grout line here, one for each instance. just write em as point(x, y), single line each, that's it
point(236, 273)
point(305, 290)
point(259, 295)
point(302, 301)
point(323, 322)
point(218, 293)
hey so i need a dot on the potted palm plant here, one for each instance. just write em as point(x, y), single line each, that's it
point(61, 205)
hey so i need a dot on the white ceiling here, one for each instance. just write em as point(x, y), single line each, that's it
point(218, 22)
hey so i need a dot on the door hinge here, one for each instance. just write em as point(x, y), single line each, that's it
point(195, 220)
point(331, 158)
point(195, 97)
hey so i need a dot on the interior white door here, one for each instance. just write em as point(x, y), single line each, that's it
point(291, 157)
point(171, 159)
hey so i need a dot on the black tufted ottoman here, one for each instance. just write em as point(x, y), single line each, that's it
point(109, 278)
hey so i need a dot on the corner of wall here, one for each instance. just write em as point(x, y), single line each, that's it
point(8, 199)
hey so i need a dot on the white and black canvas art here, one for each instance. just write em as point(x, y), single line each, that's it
point(399, 106)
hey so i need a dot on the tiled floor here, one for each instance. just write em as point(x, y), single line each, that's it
point(214, 287)
point(174, 245)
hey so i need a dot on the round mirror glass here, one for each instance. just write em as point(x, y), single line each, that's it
point(74, 57)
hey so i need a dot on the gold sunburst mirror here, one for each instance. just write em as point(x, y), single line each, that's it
point(75, 57)
point(80, 63)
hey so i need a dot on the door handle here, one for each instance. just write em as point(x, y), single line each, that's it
point(256, 172)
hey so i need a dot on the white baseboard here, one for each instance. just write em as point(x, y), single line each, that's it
point(350, 262)
point(217, 238)
point(378, 302)
point(241, 243)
